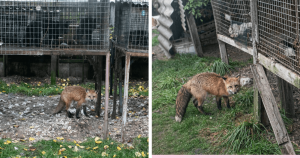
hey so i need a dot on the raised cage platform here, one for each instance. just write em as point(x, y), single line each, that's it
point(54, 25)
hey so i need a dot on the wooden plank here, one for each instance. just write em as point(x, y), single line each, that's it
point(125, 102)
point(223, 52)
point(107, 68)
point(234, 43)
point(268, 99)
point(286, 97)
point(194, 34)
point(53, 69)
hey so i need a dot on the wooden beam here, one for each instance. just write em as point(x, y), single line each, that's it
point(223, 51)
point(286, 97)
point(107, 69)
point(53, 52)
point(125, 102)
point(53, 69)
point(235, 44)
point(194, 34)
point(271, 107)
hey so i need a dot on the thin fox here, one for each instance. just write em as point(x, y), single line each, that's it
point(75, 93)
point(200, 85)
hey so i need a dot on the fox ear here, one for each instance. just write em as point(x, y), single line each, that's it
point(224, 78)
point(86, 90)
point(96, 91)
point(237, 76)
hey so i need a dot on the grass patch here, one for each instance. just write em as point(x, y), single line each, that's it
point(155, 41)
point(155, 31)
point(197, 133)
point(60, 148)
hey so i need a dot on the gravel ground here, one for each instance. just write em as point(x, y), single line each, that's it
point(23, 116)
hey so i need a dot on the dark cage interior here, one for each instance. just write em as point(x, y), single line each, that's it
point(131, 25)
point(54, 25)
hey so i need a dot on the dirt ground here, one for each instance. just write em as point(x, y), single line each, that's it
point(238, 55)
point(22, 117)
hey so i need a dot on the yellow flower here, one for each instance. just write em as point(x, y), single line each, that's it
point(119, 148)
point(54, 140)
point(148, 140)
point(60, 146)
point(143, 154)
point(3, 91)
point(87, 148)
point(62, 149)
point(95, 148)
point(114, 156)
point(65, 157)
point(74, 141)
point(103, 154)
point(43, 152)
point(7, 142)
point(38, 84)
point(139, 136)
point(112, 143)
point(31, 139)
point(25, 149)
point(107, 138)
point(63, 84)
point(77, 145)
point(98, 142)
point(1, 148)
point(106, 146)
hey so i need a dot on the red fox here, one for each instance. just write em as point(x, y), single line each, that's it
point(75, 93)
point(200, 85)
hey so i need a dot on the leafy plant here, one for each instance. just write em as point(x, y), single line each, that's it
point(220, 67)
point(195, 7)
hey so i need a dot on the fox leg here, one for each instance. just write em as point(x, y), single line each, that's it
point(79, 103)
point(226, 99)
point(218, 99)
point(68, 112)
point(199, 99)
point(84, 111)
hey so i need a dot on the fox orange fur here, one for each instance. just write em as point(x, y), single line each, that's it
point(75, 93)
point(202, 84)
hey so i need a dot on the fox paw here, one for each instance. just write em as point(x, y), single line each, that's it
point(70, 115)
point(77, 117)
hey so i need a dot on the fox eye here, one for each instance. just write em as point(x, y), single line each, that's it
point(236, 86)
point(89, 96)
point(230, 86)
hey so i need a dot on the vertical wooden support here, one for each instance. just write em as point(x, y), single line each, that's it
point(126, 84)
point(53, 69)
point(98, 85)
point(107, 69)
point(286, 97)
point(115, 87)
point(223, 52)
point(270, 104)
point(120, 87)
point(194, 35)
point(82, 69)
point(4, 65)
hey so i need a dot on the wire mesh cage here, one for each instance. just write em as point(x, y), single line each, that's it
point(233, 20)
point(54, 25)
point(278, 27)
point(131, 25)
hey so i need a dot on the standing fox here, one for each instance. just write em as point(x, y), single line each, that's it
point(200, 85)
point(75, 93)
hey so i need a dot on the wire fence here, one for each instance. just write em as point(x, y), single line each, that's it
point(54, 25)
point(278, 27)
point(131, 25)
point(233, 20)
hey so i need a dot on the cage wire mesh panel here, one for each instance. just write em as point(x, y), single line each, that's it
point(278, 31)
point(131, 27)
point(233, 20)
point(54, 25)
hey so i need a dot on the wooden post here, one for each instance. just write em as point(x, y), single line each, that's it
point(286, 97)
point(115, 87)
point(271, 107)
point(126, 85)
point(223, 52)
point(107, 70)
point(120, 72)
point(53, 69)
point(194, 35)
point(98, 85)
point(4, 65)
